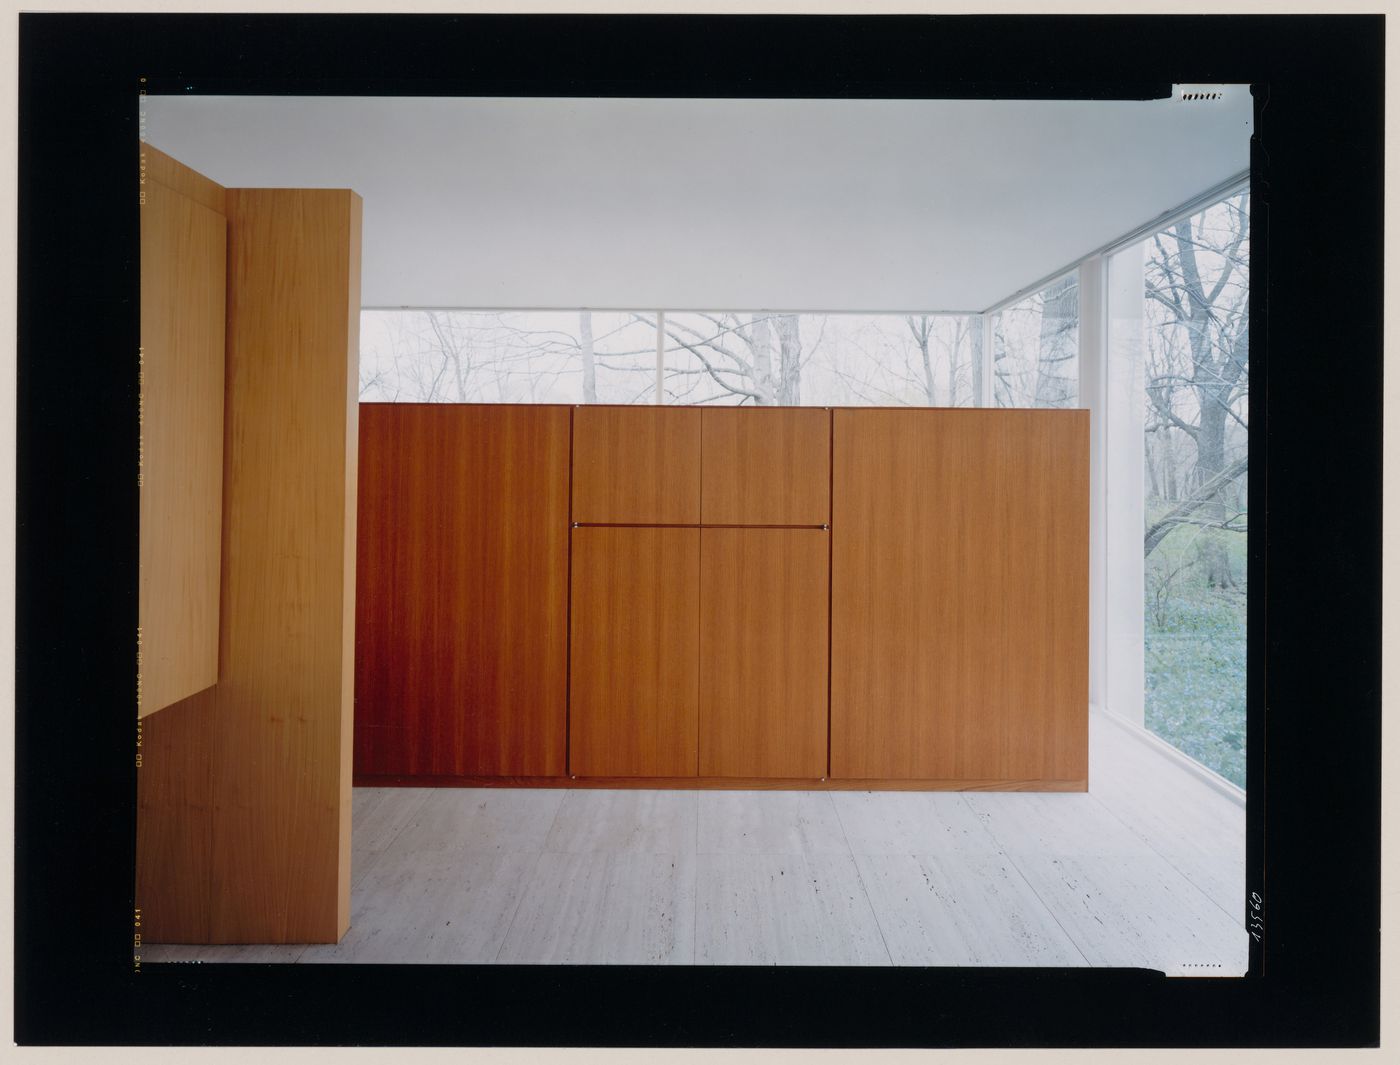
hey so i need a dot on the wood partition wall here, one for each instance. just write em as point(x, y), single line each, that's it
point(708, 597)
point(243, 817)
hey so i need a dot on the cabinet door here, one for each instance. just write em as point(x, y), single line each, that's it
point(960, 595)
point(637, 465)
point(634, 652)
point(183, 266)
point(763, 652)
point(766, 467)
point(462, 590)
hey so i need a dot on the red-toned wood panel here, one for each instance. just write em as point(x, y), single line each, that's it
point(763, 650)
point(960, 606)
point(766, 466)
point(461, 619)
point(637, 465)
point(635, 658)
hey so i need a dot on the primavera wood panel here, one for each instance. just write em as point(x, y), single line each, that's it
point(182, 434)
point(763, 652)
point(960, 595)
point(766, 467)
point(637, 465)
point(283, 715)
point(462, 590)
point(174, 808)
point(634, 652)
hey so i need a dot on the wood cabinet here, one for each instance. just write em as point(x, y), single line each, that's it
point(183, 261)
point(463, 602)
point(244, 790)
point(960, 596)
point(280, 836)
point(634, 652)
point(636, 465)
point(763, 652)
point(766, 466)
point(848, 598)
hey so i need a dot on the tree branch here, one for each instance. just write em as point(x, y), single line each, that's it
point(1184, 512)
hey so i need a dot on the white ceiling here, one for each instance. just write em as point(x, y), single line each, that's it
point(860, 205)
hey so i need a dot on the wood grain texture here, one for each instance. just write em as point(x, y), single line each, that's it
point(350, 478)
point(284, 704)
point(763, 651)
point(462, 589)
point(634, 655)
point(182, 442)
point(960, 595)
point(766, 466)
point(716, 783)
point(637, 465)
point(174, 806)
point(160, 168)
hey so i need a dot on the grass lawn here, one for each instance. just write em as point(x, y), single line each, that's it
point(1195, 659)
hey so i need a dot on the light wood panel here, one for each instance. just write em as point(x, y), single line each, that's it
point(174, 805)
point(766, 466)
point(960, 595)
point(462, 590)
point(763, 652)
point(160, 168)
point(634, 652)
point(281, 776)
point(637, 465)
point(182, 438)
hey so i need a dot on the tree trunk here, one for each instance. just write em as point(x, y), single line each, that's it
point(978, 346)
point(760, 340)
point(1213, 383)
point(585, 347)
point(1054, 386)
point(789, 389)
point(953, 364)
point(1154, 460)
point(919, 329)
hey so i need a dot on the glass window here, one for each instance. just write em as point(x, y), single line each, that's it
point(720, 357)
point(1035, 348)
point(1196, 383)
point(852, 360)
point(453, 356)
point(1177, 463)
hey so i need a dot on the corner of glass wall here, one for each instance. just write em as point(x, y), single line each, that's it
point(1176, 469)
point(1035, 348)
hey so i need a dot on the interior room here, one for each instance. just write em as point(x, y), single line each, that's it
point(694, 531)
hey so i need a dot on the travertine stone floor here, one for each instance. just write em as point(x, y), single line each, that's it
point(1147, 870)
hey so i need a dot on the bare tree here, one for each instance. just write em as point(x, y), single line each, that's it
point(1058, 351)
point(585, 347)
point(735, 354)
point(1197, 373)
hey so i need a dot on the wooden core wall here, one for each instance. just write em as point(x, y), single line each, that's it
point(244, 790)
point(183, 259)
